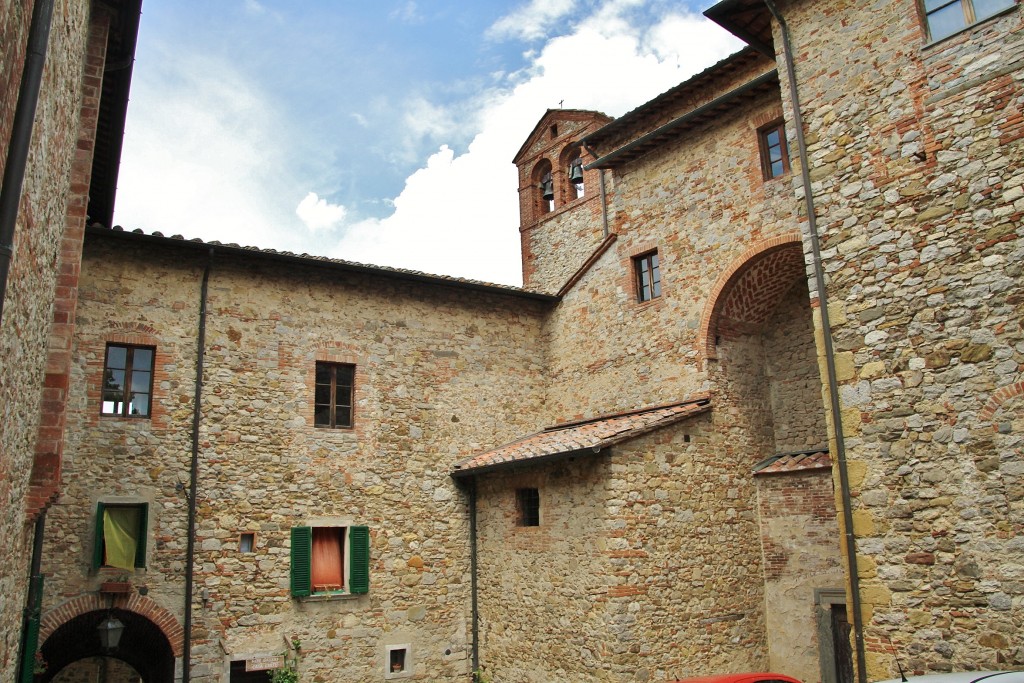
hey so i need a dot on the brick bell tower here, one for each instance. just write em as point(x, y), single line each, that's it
point(560, 202)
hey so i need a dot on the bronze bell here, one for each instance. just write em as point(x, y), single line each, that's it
point(576, 172)
point(547, 189)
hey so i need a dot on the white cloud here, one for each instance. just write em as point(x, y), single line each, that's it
point(532, 21)
point(459, 215)
point(319, 214)
point(230, 170)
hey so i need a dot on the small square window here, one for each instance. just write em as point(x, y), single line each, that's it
point(946, 17)
point(528, 507)
point(333, 393)
point(648, 276)
point(127, 380)
point(398, 662)
point(246, 543)
point(774, 155)
point(120, 536)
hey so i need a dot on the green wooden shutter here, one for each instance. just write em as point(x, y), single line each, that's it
point(302, 550)
point(140, 541)
point(97, 551)
point(359, 559)
point(31, 643)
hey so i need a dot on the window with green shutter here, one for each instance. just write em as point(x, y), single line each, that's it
point(330, 560)
point(120, 535)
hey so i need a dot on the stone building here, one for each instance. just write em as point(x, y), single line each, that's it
point(64, 75)
point(627, 470)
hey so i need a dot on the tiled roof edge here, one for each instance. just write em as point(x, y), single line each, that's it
point(314, 261)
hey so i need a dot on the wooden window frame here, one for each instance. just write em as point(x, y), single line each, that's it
point(355, 558)
point(969, 14)
point(130, 369)
point(99, 546)
point(333, 402)
point(527, 507)
point(644, 264)
point(765, 149)
point(252, 542)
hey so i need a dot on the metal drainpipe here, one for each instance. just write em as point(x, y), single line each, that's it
point(186, 662)
point(604, 194)
point(21, 136)
point(475, 613)
point(830, 361)
point(33, 603)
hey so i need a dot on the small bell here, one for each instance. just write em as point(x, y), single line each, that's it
point(547, 189)
point(576, 172)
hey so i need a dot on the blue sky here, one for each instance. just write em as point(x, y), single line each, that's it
point(378, 132)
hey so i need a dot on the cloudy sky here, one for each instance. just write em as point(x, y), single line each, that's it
point(380, 132)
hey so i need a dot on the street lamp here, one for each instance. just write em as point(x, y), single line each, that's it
point(111, 629)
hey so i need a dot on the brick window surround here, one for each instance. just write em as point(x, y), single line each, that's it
point(771, 141)
point(944, 18)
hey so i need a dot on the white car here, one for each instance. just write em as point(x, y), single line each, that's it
point(965, 677)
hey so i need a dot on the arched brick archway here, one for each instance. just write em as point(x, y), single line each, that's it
point(136, 604)
point(746, 293)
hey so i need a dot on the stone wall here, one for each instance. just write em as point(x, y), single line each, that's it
point(31, 284)
point(645, 566)
point(701, 202)
point(915, 163)
point(441, 372)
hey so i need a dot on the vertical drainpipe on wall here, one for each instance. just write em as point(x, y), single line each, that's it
point(474, 612)
point(21, 136)
point(830, 361)
point(186, 662)
point(30, 623)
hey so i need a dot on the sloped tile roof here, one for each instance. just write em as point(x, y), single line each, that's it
point(795, 462)
point(593, 434)
point(196, 244)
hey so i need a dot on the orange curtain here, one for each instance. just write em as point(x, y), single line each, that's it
point(327, 559)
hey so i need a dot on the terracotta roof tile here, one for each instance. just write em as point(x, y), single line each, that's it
point(795, 462)
point(593, 434)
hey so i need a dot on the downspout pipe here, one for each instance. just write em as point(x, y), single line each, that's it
point(190, 553)
point(604, 192)
point(21, 136)
point(35, 598)
point(474, 607)
point(830, 360)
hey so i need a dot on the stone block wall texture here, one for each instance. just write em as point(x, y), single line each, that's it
point(645, 566)
point(800, 547)
point(915, 160)
point(31, 285)
point(441, 373)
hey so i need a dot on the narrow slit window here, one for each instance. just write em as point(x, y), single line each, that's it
point(774, 156)
point(246, 543)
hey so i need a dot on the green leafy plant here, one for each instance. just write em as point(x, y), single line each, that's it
point(286, 674)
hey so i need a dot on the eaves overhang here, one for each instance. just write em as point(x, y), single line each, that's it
point(765, 83)
point(748, 20)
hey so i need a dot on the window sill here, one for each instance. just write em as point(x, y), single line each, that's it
point(965, 29)
point(329, 597)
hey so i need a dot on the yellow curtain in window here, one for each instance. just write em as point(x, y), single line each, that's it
point(120, 536)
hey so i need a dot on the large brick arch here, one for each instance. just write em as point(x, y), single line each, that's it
point(161, 618)
point(746, 292)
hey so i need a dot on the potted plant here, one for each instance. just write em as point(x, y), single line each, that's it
point(118, 584)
